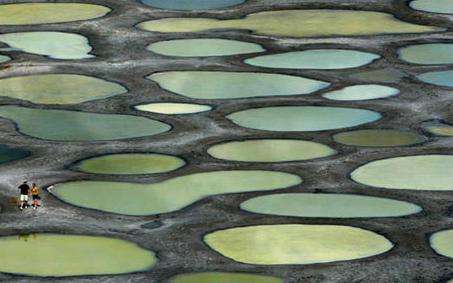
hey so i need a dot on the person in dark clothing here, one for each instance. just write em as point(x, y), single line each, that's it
point(24, 192)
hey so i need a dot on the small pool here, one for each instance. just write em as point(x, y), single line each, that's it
point(329, 205)
point(173, 108)
point(4, 58)
point(420, 172)
point(223, 277)
point(130, 163)
point(270, 150)
point(297, 23)
point(8, 154)
point(189, 5)
point(56, 45)
point(379, 138)
point(428, 54)
point(170, 195)
point(48, 13)
point(56, 255)
point(442, 242)
point(59, 88)
point(437, 6)
point(296, 244)
point(203, 47)
point(387, 75)
point(229, 85)
point(361, 92)
point(64, 125)
point(441, 78)
point(439, 129)
point(324, 59)
point(302, 118)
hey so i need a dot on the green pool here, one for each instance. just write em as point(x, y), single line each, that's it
point(378, 138)
point(203, 47)
point(296, 244)
point(302, 118)
point(130, 163)
point(324, 59)
point(329, 205)
point(223, 277)
point(173, 108)
point(439, 78)
point(361, 92)
point(421, 172)
point(56, 255)
point(58, 88)
point(297, 23)
point(4, 58)
point(270, 150)
point(56, 45)
point(228, 85)
point(169, 195)
point(63, 125)
point(428, 54)
point(442, 242)
point(440, 129)
point(47, 13)
point(438, 6)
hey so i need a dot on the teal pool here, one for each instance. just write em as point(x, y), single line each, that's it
point(325, 59)
point(441, 78)
point(4, 58)
point(437, 6)
point(427, 54)
point(189, 5)
point(362, 92)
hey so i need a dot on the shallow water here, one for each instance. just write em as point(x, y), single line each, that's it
point(8, 154)
point(442, 242)
point(361, 92)
point(4, 58)
point(329, 205)
point(223, 277)
point(203, 47)
point(56, 45)
point(170, 195)
point(383, 75)
point(130, 163)
point(173, 108)
point(296, 244)
point(422, 172)
point(428, 54)
point(270, 150)
point(302, 118)
point(58, 88)
point(188, 5)
point(71, 255)
point(324, 59)
point(297, 23)
point(440, 129)
point(40, 13)
point(378, 138)
point(63, 125)
point(229, 85)
point(437, 6)
point(441, 78)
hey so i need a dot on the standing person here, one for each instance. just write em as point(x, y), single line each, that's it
point(35, 196)
point(24, 191)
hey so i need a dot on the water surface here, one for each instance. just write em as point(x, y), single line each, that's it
point(324, 59)
point(297, 23)
point(173, 108)
point(58, 88)
point(169, 195)
point(8, 154)
point(302, 118)
point(203, 47)
point(63, 125)
point(440, 78)
point(47, 13)
point(437, 6)
point(428, 54)
point(270, 150)
point(442, 242)
point(329, 205)
point(440, 129)
point(130, 163)
point(56, 45)
point(223, 277)
point(228, 85)
point(378, 138)
point(421, 172)
point(361, 92)
point(71, 255)
point(189, 5)
point(296, 244)
point(4, 58)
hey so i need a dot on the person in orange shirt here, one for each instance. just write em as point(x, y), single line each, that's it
point(35, 196)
